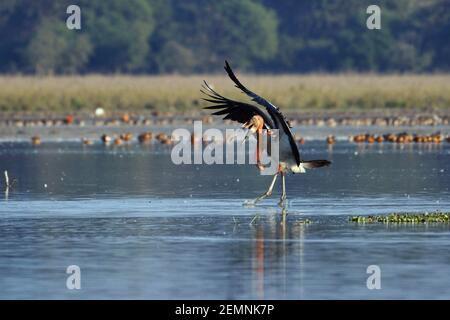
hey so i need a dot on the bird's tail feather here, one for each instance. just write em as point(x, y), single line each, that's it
point(312, 164)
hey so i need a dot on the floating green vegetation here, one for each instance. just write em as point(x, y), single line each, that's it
point(302, 222)
point(433, 217)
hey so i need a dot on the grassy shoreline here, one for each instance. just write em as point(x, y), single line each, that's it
point(305, 93)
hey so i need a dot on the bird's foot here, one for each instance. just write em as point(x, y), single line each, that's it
point(282, 203)
point(249, 203)
point(260, 167)
point(252, 203)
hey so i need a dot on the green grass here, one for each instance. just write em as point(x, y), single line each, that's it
point(181, 93)
point(409, 218)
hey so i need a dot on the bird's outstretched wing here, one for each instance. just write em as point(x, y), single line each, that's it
point(274, 111)
point(278, 118)
point(234, 110)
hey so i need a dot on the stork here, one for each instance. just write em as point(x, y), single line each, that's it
point(254, 118)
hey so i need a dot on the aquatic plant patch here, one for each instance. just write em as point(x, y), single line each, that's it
point(433, 217)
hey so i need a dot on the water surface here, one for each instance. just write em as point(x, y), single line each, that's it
point(140, 227)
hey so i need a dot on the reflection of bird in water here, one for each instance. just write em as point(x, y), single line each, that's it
point(256, 119)
point(273, 262)
point(9, 184)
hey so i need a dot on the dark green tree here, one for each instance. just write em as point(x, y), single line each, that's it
point(169, 36)
point(211, 31)
point(54, 49)
point(432, 20)
point(119, 31)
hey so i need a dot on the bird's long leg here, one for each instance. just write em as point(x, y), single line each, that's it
point(259, 149)
point(266, 194)
point(283, 192)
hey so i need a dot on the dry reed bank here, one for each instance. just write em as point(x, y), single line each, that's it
point(181, 93)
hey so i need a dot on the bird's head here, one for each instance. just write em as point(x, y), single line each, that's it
point(256, 123)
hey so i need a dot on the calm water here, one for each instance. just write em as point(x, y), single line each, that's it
point(140, 227)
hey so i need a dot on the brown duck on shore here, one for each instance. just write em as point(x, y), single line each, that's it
point(126, 136)
point(35, 140)
point(118, 141)
point(106, 138)
point(331, 139)
point(145, 137)
point(370, 138)
point(161, 136)
point(194, 139)
point(87, 142)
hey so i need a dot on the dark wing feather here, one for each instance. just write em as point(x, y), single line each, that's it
point(279, 120)
point(233, 110)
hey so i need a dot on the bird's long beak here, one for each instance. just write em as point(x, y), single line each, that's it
point(250, 126)
point(246, 136)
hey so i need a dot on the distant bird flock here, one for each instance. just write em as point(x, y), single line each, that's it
point(147, 137)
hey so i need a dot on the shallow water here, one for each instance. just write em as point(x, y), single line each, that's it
point(140, 227)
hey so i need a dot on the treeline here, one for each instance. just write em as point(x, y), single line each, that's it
point(182, 36)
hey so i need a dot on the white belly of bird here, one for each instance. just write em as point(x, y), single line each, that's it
point(285, 166)
point(287, 161)
point(298, 169)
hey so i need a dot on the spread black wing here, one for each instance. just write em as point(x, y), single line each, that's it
point(278, 118)
point(234, 110)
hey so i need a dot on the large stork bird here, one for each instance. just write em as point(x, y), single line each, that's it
point(256, 119)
